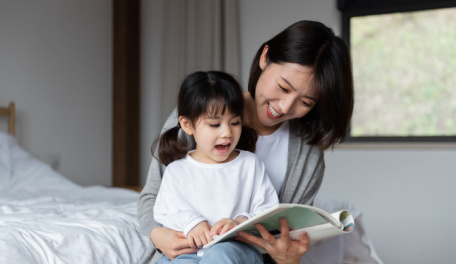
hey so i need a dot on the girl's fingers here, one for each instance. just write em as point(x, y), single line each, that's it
point(203, 240)
point(198, 242)
point(225, 229)
point(208, 236)
point(191, 242)
point(215, 229)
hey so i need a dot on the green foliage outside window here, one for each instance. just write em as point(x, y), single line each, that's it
point(404, 67)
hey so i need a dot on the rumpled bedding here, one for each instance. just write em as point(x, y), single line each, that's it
point(45, 218)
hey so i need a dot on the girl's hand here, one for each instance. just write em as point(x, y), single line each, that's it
point(199, 235)
point(171, 243)
point(282, 250)
point(225, 224)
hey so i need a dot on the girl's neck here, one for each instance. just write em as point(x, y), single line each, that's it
point(251, 117)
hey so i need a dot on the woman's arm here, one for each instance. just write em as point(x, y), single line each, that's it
point(170, 242)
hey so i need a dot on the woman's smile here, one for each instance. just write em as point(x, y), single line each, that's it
point(272, 113)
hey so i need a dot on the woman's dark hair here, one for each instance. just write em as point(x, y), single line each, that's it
point(201, 93)
point(314, 45)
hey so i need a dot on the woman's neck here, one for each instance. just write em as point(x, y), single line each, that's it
point(251, 117)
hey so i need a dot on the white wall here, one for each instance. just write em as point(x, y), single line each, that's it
point(398, 190)
point(263, 19)
point(407, 198)
point(56, 64)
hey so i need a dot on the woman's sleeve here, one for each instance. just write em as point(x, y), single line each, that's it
point(315, 180)
point(146, 200)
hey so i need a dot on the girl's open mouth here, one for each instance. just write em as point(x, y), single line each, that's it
point(223, 148)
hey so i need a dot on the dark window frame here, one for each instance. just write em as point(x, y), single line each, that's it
point(355, 8)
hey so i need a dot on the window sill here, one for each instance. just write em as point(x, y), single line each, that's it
point(398, 145)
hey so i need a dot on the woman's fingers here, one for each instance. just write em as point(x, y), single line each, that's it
point(279, 248)
point(179, 252)
point(265, 234)
point(251, 239)
point(170, 242)
point(284, 229)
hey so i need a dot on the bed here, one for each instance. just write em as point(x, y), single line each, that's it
point(45, 218)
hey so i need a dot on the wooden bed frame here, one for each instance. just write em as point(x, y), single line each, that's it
point(10, 112)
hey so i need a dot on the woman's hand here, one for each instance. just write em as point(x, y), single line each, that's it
point(171, 243)
point(282, 250)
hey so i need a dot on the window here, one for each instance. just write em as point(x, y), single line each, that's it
point(404, 69)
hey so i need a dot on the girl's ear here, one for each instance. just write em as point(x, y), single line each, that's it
point(186, 125)
point(264, 58)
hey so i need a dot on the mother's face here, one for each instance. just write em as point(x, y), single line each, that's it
point(283, 92)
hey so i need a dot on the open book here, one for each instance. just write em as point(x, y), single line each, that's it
point(318, 224)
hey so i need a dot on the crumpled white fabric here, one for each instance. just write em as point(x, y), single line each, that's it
point(45, 218)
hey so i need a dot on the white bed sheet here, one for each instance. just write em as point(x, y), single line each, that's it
point(45, 218)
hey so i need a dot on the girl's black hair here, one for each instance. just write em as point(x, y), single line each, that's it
point(312, 44)
point(204, 93)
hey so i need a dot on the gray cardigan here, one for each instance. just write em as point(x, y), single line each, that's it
point(304, 176)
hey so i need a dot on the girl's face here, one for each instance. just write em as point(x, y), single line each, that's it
point(283, 92)
point(215, 136)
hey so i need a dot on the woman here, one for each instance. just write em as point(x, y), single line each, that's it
point(300, 100)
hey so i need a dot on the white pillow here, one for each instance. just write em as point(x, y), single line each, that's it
point(22, 172)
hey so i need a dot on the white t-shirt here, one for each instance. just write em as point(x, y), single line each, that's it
point(276, 163)
point(192, 191)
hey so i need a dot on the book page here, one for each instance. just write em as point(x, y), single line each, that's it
point(297, 217)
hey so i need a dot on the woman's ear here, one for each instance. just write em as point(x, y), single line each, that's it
point(186, 125)
point(264, 57)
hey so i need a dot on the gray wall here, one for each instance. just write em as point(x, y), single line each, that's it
point(398, 188)
point(55, 63)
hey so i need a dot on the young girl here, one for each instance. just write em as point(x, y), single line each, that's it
point(209, 190)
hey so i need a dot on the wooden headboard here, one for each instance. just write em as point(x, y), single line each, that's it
point(9, 111)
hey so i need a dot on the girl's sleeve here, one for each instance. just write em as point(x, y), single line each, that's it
point(170, 208)
point(146, 200)
point(264, 195)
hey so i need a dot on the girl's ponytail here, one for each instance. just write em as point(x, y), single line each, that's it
point(169, 147)
point(248, 139)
